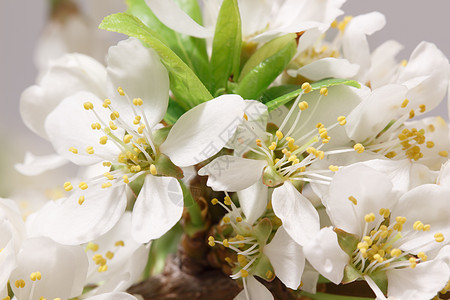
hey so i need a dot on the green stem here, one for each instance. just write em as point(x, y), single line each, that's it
point(324, 296)
point(196, 220)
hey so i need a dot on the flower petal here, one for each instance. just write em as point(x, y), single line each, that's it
point(68, 222)
point(299, 217)
point(255, 290)
point(69, 125)
point(113, 296)
point(253, 200)
point(326, 256)
point(64, 77)
point(422, 282)
point(204, 130)
point(327, 67)
point(35, 165)
point(171, 15)
point(230, 173)
point(157, 209)
point(384, 66)
point(287, 258)
point(140, 73)
point(63, 269)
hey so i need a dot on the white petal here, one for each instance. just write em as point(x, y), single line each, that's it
point(434, 211)
point(113, 296)
point(354, 43)
point(169, 13)
point(372, 189)
point(429, 62)
point(8, 253)
point(286, 257)
point(255, 290)
point(299, 217)
point(327, 67)
point(63, 269)
point(230, 173)
point(253, 200)
point(204, 130)
point(422, 282)
point(35, 165)
point(68, 222)
point(140, 73)
point(157, 209)
point(310, 278)
point(383, 63)
point(326, 256)
point(444, 175)
point(375, 112)
point(66, 76)
point(69, 125)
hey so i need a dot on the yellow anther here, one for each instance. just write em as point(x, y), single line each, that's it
point(125, 179)
point(443, 153)
point(430, 144)
point(137, 120)
point(112, 125)
point(226, 220)
point(273, 146)
point(121, 92)
point(81, 200)
point(96, 126)
point(413, 262)
point(422, 256)
point(342, 120)
point(127, 138)
point(122, 158)
point(228, 260)
point(404, 103)
point(141, 129)
point(306, 87)
point(401, 220)
point(292, 158)
point(138, 101)
point(103, 268)
point(214, 201)
point(238, 219)
point(73, 150)
point(334, 24)
point(90, 150)
point(153, 170)
point(103, 140)
point(106, 185)
point(108, 175)
point(225, 243)
point(227, 200)
point(7, 298)
point(412, 114)
point(431, 128)
point(106, 103)
point(83, 185)
point(404, 62)
point(119, 243)
point(378, 258)
point(135, 168)
point(109, 255)
point(92, 246)
point(258, 143)
point(19, 283)
point(353, 200)
point(418, 225)
point(211, 241)
point(439, 237)
point(303, 105)
point(319, 125)
point(359, 148)
point(396, 252)
point(422, 108)
point(426, 227)
point(343, 24)
point(333, 168)
point(68, 186)
point(279, 134)
point(369, 217)
point(385, 212)
point(88, 105)
point(269, 274)
point(244, 273)
point(114, 115)
point(324, 91)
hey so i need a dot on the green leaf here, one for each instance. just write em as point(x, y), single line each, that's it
point(263, 268)
point(226, 52)
point(174, 112)
point(191, 50)
point(186, 86)
point(323, 296)
point(380, 278)
point(270, 60)
point(262, 231)
point(329, 82)
point(347, 241)
point(277, 91)
point(161, 248)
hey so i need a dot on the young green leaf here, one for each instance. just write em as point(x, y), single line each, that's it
point(189, 91)
point(174, 112)
point(268, 63)
point(325, 83)
point(226, 52)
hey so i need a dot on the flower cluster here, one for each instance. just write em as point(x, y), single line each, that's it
point(266, 128)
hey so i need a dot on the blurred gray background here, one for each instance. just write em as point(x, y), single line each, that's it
point(21, 21)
